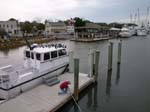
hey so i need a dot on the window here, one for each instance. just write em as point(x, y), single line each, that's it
point(11, 26)
point(54, 54)
point(32, 55)
point(46, 56)
point(62, 52)
point(27, 54)
point(38, 56)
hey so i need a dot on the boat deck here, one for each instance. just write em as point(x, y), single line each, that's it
point(44, 98)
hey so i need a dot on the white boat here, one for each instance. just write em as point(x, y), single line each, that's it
point(40, 63)
point(141, 32)
point(125, 32)
point(132, 30)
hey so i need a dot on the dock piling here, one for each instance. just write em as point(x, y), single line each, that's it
point(91, 63)
point(71, 61)
point(119, 52)
point(97, 56)
point(110, 56)
point(76, 78)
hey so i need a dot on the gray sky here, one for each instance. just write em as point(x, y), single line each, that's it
point(94, 10)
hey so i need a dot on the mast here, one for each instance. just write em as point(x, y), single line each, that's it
point(138, 16)
point(135, 16)
point(147, 17)
point(131, 18)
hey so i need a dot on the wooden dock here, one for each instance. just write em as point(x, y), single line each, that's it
point(44, 98)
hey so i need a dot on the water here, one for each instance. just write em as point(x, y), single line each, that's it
point(126, 89)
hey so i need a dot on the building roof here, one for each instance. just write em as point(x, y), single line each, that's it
point(91, 26)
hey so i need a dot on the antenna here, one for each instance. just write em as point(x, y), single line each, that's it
point(27, 42)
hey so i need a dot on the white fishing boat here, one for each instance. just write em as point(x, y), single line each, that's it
point(125, 32)
point(141, 31)
point(41, 64)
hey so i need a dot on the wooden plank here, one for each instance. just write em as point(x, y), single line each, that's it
point(44, 98)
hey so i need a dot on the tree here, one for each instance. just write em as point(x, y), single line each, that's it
point(26, 26)
point(79, 22)
point(40, 26)
point(116, 25)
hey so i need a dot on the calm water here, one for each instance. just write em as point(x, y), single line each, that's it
point(125, 89)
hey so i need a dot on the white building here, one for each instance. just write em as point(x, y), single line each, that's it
point(55, 27)
point(11, 27)
point(70, 26)
point(70, 29)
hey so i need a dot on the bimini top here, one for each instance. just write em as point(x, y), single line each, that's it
point(46, 48)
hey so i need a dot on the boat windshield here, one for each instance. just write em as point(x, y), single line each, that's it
point(62, 52)
point(27, 54)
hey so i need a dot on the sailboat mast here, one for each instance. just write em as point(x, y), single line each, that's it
point(147, 17)
point(138, 16)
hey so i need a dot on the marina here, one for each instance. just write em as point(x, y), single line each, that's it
point(116, 86)
point(74, 56)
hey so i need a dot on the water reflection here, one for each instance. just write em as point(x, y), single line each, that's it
point(108, 83)
point(76, 109)
point(6, 52)
point(118, 74)
point(95, 103)
point(89, 101)
point(92, 98)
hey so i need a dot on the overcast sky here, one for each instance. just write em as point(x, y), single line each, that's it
point(94, 10)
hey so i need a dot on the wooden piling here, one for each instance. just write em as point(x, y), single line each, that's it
point(71, 61)
point(91, 63)
point(110, 56)
point(76, 78)
point(119, 52)
point(97, 56)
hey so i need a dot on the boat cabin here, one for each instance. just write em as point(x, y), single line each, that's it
point(39, 56)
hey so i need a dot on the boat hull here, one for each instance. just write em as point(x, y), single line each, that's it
point(22, 87)
point(125, 35)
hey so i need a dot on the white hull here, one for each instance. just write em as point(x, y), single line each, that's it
point(140, 33)
point(40, 64)
point(24, 86)
point(125, 34)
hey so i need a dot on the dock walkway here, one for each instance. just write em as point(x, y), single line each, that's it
point(44, 98)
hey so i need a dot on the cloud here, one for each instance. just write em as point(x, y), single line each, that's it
point(95, 10)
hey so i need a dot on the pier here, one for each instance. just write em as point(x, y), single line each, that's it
point(45, 98)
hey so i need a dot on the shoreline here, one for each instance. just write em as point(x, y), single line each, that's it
point(6, 44)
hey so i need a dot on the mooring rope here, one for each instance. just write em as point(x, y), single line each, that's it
point(74, 100)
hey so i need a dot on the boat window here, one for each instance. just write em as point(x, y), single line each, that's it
point(46, 56)
point(32, 55)
point(62, 52)
point(27, 54)
point(38, 56)
point(53, 54)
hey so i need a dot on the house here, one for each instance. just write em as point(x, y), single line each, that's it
point(91, 30)
point(11, 27)
point(55, 27)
